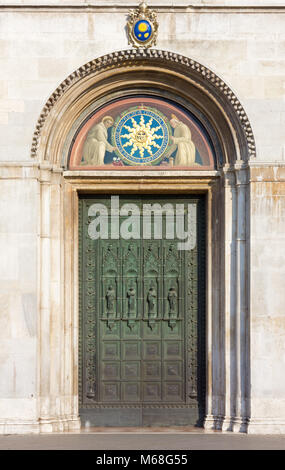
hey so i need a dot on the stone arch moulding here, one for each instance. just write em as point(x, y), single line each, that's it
point(135, 70)
point(179, 78)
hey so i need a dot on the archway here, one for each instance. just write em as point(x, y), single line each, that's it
point(193, 86)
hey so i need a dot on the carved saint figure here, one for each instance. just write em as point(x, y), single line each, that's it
point(96, 143)
point(151, 300)
point(110, 297)
point(182, 142)
point(172, 299)
point(131, 293)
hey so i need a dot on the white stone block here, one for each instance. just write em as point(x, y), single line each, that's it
point(9, 266)
point(18, 68)
point(5, 312)
point(18, 203)
point(33, 89)
point(18, 409)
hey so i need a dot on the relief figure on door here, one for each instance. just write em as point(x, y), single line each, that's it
point(152, 306)
point(111, 300)
point(152, 302)
point(131, 295)
point(173, 307)
point(172, 300)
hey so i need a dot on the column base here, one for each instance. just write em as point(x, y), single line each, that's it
point(48, 425)
point(225, 424)
point(213, 423)
point(245, 425)
point(233, 424)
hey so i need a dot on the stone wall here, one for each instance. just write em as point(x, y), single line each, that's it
point(243, 43)
point(18, 298)
point(40, 47)
point(267, 298)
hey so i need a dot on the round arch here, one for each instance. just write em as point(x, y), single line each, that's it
point(135, 71)
point(201, 91)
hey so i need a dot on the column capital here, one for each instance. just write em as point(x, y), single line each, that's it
point(242, 173)
point(229, 175)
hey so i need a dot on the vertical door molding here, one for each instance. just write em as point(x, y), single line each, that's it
point(228, 329)
point(57, 386)
point(229, 294)
point(241, 324)
point(44, 299)
point(227, 332)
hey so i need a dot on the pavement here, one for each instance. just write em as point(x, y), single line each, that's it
point(142, 439)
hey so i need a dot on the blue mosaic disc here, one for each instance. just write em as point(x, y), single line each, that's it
point(141, 136)
point(142, 30)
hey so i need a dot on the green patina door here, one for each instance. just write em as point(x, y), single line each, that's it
point(142, 313)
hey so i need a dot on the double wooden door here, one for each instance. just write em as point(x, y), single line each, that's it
point(141, 342)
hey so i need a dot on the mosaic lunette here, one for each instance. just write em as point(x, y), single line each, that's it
point(141, 132)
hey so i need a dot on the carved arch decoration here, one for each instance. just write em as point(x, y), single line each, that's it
point(189, 83)
point(127, 72)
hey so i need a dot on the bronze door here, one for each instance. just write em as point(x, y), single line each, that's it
point(141, 319)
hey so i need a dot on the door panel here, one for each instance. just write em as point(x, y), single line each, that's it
point(141, 323)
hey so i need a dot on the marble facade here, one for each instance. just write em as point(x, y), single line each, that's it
point(43, 50)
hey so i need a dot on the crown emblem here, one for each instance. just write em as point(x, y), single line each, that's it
point(142, 26)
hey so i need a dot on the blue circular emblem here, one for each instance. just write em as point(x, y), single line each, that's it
point(141, 136)
point(142, 30)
